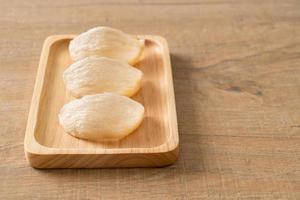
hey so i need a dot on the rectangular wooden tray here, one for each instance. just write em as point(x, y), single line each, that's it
point(153, 144)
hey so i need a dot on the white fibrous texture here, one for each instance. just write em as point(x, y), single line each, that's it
point(94, 75)
point(106, 42)
point(101, 117)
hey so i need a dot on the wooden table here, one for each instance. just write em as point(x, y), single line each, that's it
point(236, 68)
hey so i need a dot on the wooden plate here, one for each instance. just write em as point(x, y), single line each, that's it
point(154, 143)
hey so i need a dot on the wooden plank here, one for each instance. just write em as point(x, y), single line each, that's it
point(209, 166)
point(235, 67)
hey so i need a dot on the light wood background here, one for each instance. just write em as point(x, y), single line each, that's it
point(236, 69)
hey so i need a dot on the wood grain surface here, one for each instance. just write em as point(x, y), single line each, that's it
point(236, 69)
